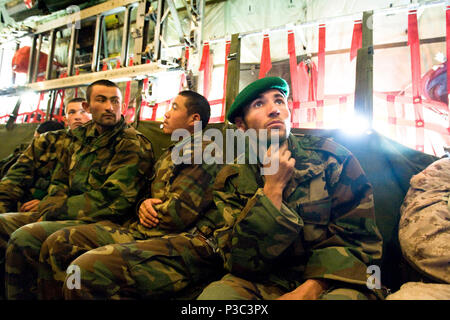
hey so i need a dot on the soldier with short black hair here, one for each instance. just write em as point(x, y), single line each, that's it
point(165, 239)
point(99, 176)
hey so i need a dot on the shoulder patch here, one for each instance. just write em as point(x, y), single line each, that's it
point(325, 145)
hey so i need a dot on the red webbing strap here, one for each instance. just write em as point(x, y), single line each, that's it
point(294, 70)
point(447, 20)
point(205, 66)
point(77, 72)
point(356, 39)
point(28, 3)
point(303, 82)
point(225, 78)
point(127, 92)
point(126, 98)
point(414, 43)
point(321, 62)
point(312, 94)
point(266, 63)
point(186, 56)
point(321, 75)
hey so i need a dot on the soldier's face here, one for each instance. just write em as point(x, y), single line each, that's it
point(105, 106)
point(268, 111)
point(177, 117)
point(76, 115)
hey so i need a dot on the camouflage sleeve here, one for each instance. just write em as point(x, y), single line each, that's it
point(20, 177)
point(189, 195)
point(114, 198)
point(257, 233)
point(353, 240)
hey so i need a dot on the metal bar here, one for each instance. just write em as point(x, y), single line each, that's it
point(158, 31)
point(188, 11)
point(332, 20)
point(140, 36)
point(364, 73)
point(234, 61)
point(104, 37)
point(137, 114)
point(201, 12)
point(176, 18)
point(105, 8)
point(117, 75)
point(37, 58)
point(97, 43)
point(51, 54)
point(31, 59)
point(125, 36)
point(50, 105)
point(72, 50)
point(2, 50)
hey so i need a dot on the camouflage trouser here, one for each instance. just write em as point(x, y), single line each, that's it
point(22, 257)
point(166, 267)
point(67, 244)
point(10, 222)
point(234, 288)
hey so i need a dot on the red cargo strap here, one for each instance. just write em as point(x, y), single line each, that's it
point(321, 63)
point(77, 72)
point(356, 39)
point(127, 92)
point(205, 66)
point(186, 56)
point(266, 63)
point(414, 43)
point(294, 69)
point(225, 78)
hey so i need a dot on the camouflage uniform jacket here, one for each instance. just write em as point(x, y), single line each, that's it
point(7, 162)
point(184, 188)
point(29, 177)
point(325, 228)
point(99, 177)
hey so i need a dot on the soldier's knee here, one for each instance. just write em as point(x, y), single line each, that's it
point(22, 238)
point(343, 294)
point(220, 290)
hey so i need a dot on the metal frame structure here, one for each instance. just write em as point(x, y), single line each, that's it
point(141, 67)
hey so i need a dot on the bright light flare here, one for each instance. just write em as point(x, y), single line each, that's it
point(356, 125)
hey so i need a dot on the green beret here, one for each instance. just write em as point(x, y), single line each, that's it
point(253, 90)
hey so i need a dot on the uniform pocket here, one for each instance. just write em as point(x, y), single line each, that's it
point(316, 217)
point(316, 212)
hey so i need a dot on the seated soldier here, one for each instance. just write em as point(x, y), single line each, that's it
point(179, 198)
point(304, 231)
point(44, 127)
point(98, 176)
point(424, 233)
point(29, 177)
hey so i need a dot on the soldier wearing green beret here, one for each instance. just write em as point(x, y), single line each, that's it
point(98, 176)
point(305, 232)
